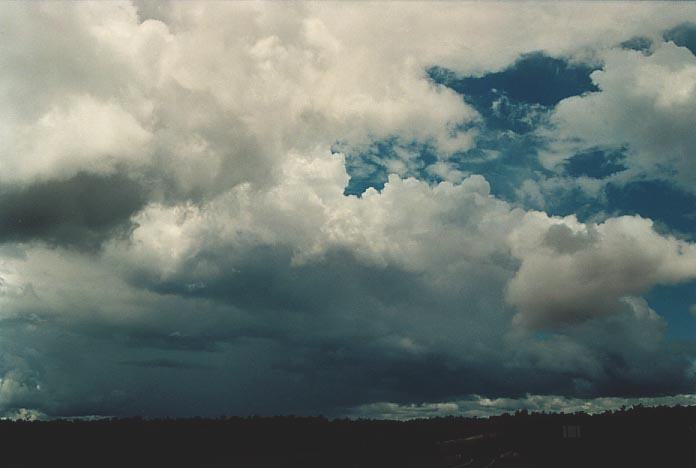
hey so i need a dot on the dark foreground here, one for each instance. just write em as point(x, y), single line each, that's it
point(640, 437)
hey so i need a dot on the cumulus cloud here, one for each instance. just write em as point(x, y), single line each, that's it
point(256, 82)
point(286, 81)
point(645, 104)
point(84, 136)
point(412, 276)
point(573, 271)
point(171, 211)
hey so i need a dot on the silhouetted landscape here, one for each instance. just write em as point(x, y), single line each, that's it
point(637, 437)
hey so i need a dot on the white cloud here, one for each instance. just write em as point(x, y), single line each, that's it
point(572, 271)
point(408, 223)
point(646, 103)
point(83, 135)
point(223, 92)
point(220, 94)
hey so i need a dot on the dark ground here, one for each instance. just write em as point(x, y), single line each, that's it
point(640, 437)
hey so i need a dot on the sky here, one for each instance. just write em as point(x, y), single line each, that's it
point(350, 209)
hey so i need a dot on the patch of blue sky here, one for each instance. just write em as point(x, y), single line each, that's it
point(505, 158)
point(534, 79)
point(674, 303)
point(683, 35)
point(567, 199)
point(672, 209)
point(596, 163)
point(639, 43)
point(514, 102)
point(371, 166)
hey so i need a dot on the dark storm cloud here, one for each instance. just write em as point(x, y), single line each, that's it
point(165, 363)
point(263, 278)
point(154, 339)
point(339, 349)
point(80, 212)
point(353, 373)
point(265, 376)
point(327, 328)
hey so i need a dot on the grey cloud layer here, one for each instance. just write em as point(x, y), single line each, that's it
point(176, 239)
point(83, 210)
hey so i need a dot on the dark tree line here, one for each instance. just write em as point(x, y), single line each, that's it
point(637, 437)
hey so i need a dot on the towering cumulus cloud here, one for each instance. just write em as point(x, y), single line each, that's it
point(182, 233)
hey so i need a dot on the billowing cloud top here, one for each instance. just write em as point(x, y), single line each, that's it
point(265, 208)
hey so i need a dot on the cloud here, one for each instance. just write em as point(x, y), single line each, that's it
point(255, 83)
point(24, 414)
point(287, 83)
point(660, 89)
point(165, 363)
point(20, 386)
point(572, 271)
point(177, 239)
point(81, 211)
point(84, 136)
point(396, 295)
